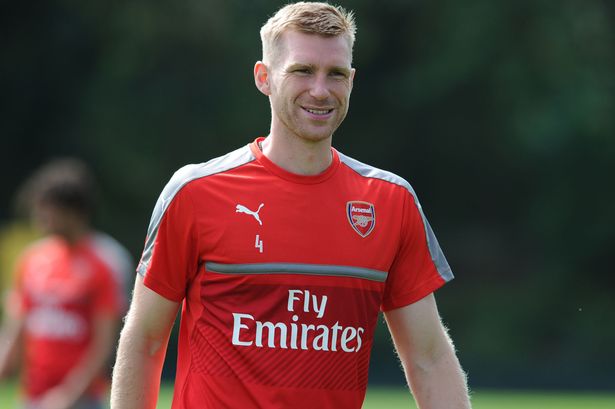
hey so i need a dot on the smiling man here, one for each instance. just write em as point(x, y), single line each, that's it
point(284, 251)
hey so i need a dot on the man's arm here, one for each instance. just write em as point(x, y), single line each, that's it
point(142, 348)
point(79, 379)
point(428, 356)
point(10, 340)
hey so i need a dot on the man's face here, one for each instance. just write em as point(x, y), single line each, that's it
point(310, 80)
point(54, 219)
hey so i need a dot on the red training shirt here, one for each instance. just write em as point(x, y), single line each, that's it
point(282, 277)
point(59, 291)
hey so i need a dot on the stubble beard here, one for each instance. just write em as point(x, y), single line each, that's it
point(296, 127)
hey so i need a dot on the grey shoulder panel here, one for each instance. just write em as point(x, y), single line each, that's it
point(180, 179)
point(437, 256)
point(114, 255)
point(119, 261)
point(369, 171)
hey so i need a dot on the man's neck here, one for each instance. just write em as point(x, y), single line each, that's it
point(74, 233)
point(298, 156)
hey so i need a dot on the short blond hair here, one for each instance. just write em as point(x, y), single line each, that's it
point(307, 17)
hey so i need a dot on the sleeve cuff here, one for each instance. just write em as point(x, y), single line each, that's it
point(414, 296)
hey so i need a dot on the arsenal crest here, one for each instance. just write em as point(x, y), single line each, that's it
point(361, 216)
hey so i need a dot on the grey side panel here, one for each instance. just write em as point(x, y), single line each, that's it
point(437, 256)
point(297, 268)
point(182, 177)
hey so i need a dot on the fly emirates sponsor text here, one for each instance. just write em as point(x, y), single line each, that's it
point(248, 331)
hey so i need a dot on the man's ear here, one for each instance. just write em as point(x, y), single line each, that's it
point(261, 77)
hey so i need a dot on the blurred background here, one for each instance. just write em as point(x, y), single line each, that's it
point(500, 114)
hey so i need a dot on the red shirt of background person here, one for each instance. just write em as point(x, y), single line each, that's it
point(68, 296)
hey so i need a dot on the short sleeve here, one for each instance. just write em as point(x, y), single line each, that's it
point(118, 261)
point(106, 299)
point(419, 267)
point(170, 259)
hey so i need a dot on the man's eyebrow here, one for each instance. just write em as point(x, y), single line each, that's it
point(343, 70)
point(298, 65)
point(335, 68)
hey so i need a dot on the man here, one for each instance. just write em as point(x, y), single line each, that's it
point(68, 296)
point(284, 251)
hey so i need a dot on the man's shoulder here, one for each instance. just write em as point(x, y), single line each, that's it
point(368, 171)
point(42, 245)
point(113, 254)
point(220, 164)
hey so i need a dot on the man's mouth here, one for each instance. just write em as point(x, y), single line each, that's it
point(319, 111)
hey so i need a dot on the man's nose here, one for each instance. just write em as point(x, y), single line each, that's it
point(319, 89)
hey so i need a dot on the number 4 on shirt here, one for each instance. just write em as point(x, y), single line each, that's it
point(258, 243)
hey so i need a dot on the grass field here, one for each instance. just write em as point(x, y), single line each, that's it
point(383, 398)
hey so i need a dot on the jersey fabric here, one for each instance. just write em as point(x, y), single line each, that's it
point(59, 291)
point(282, 277)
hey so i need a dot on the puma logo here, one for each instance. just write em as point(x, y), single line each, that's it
point(242, 209)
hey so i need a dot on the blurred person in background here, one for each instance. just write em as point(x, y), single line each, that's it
point(284, 251)
point(62, 313)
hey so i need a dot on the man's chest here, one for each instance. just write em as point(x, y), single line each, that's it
point(59, 279)
point(333, 224)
